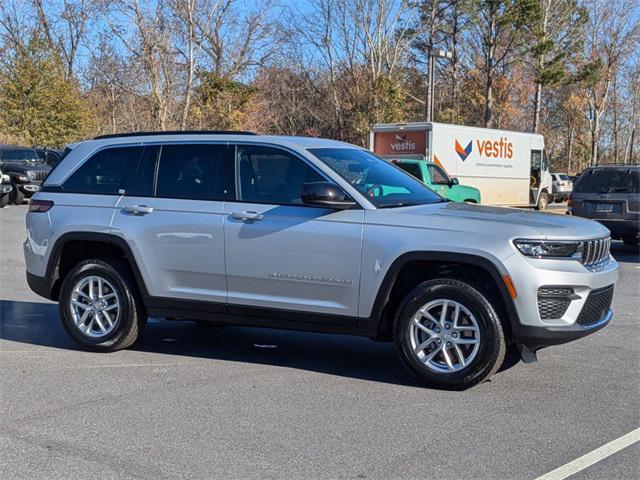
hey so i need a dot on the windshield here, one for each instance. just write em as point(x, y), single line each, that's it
point(623, 180)
point(564, 177)
point(382, 183)
point(18, 155)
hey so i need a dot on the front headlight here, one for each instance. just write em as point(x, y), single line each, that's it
point(31, 175)
point(23, 178)
point(549, 249)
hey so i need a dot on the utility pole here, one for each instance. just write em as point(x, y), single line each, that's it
point(431, 73)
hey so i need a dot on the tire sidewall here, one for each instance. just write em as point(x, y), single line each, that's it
point(491, 335)
point(126, 305)
point(543, 201)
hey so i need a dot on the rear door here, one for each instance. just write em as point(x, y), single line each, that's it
point(172, 217)
point(282, 254)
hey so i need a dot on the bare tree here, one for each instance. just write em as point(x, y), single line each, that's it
point(501, 37)
point(612, 33)
point(65, 29)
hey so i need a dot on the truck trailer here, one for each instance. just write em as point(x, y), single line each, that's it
point(509, 168)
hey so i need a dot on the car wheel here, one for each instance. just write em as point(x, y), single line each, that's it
point(543, 201)
point(100, 306)
point(17, 197)
point(448, 334)
point(4, 200)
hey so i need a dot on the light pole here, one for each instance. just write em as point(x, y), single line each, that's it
point(431, 68)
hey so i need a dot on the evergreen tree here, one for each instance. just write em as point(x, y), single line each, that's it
point(37, 105)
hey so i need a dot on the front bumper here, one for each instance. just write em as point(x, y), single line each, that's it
point(621, 227)
point(529, 275)
point(28, 189)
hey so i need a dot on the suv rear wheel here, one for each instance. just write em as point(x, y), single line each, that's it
point(100, 307)
point(448, 334)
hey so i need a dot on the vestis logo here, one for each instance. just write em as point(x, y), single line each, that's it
point(464, 152)
point(403, 144)
point(502, 148)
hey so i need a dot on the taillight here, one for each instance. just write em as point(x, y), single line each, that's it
point(40, 205)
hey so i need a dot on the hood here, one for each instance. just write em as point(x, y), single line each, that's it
point(22, 167)
point(508, 223)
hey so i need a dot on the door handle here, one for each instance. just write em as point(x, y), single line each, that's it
point(138, 209)
point(247, 216)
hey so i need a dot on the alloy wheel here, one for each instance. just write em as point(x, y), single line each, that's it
point(95, 306)
point(445, 336)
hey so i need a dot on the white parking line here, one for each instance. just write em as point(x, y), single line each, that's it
point(593, 457)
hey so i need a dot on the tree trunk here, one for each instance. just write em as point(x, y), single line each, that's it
point(536, 107)
point(488, 105)
point(595, 134)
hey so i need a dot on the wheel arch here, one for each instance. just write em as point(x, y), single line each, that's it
point(383, 314)
point(102, 243)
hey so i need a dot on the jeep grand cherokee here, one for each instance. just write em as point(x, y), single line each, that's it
point(309, 234)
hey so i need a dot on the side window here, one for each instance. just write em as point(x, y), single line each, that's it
point(194, 171)
point(438, 177)
point(270, 175)
point(105, 173)
point(141, 184)
point(411, 168)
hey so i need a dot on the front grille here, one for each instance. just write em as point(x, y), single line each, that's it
point(554, 301)
point(596, 307)
point(37, 176)
point(595, 253)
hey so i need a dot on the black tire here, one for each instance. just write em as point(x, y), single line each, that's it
point(17, 197)
point(492, 346)
point(132, 319)
point(543, 201)
point(4, 200)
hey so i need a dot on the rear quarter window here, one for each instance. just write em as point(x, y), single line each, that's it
point(105, 173)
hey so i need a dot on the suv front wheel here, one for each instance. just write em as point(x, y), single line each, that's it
point(448, 334)
point(100, 307)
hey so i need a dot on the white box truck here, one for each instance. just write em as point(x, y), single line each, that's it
point(509, 168)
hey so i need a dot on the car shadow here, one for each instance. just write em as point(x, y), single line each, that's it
point(341, 355)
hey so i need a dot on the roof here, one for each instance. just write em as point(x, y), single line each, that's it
point(154, 137)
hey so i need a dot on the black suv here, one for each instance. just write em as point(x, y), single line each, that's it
point(611, 195)
point(25, 170)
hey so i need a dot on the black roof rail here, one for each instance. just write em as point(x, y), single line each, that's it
point(175, 132)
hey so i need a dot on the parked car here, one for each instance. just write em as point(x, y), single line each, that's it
point(561, 186)
point(5, 189)
point(611, 195)
point(434, 177)
point(308, 234)
point(25, 170)
point(49, 156)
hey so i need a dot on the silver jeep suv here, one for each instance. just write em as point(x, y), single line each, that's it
point(308, 234)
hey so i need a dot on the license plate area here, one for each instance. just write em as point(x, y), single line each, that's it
point(604, 207)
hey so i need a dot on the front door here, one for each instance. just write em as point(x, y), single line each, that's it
point(282, 254)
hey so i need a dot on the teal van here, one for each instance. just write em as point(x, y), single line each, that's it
point(434, 177)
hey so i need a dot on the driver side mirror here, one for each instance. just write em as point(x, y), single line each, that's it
point(325, 194)
point(453, 181)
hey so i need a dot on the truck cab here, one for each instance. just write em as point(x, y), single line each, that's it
point(434, 177)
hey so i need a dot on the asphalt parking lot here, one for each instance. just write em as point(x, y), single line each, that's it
point(229, 402)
